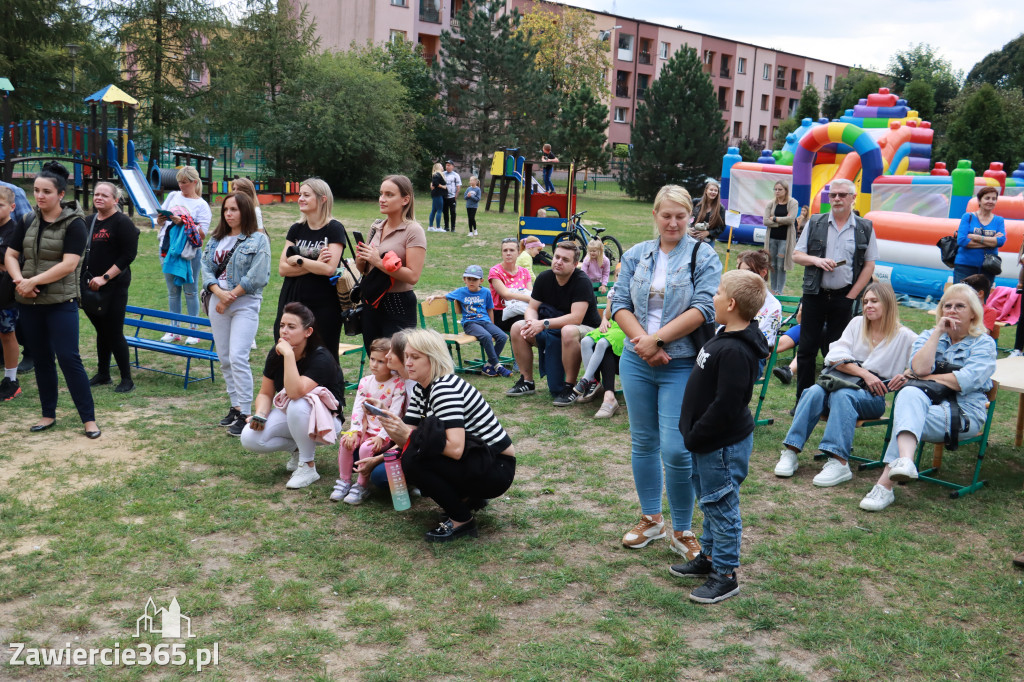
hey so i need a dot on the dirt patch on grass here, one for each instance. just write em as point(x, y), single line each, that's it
point(24, 545)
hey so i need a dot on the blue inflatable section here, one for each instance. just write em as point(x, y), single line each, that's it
point(923, 282)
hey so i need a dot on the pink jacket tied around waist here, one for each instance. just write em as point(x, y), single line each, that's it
point(321, 419)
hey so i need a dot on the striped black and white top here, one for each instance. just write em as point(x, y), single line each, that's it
point(457, 405)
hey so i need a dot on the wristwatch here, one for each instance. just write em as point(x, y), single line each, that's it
point(660, 341)
point(106, 277)
point(298, 261)
point(547, 323)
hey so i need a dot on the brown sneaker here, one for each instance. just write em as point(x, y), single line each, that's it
point(643, 532)
point(685, 543)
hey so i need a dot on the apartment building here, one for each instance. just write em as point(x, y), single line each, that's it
point(757, 87)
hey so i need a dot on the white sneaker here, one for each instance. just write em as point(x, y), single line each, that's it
point(356, 495)
point(253, 346)
point(341, 489)
point(293, 462)
point(646, 530)
point(1015, 353)
point(191, 341)
point(302, 477)
point(788, 463)
point(833, 473)
point(903, 469)
point(877, 499)
point(170, 338)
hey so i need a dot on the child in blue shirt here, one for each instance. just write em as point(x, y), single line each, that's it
point(477, 307)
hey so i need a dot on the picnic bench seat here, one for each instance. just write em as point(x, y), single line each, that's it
point(161, 322)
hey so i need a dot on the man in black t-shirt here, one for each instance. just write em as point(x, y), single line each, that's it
point(563, 309)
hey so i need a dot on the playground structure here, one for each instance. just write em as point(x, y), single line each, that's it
point(562, 205)
point(885, 149)
point(507, 172)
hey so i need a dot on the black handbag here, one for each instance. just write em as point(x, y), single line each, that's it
point(706, 331)
point(947, 250)
point(94, 303)
point(992, 265)
point(940, 393)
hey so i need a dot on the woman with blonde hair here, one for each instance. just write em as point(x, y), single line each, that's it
point(869, 357)
point(780, 219)
point(474, 462)
point(245, 186)
point(664, 294)
point(390, 301)
point(181, 245)
point(438, 191)
point(957, 354)
point(312, 250)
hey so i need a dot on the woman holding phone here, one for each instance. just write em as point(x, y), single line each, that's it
point(299, 378)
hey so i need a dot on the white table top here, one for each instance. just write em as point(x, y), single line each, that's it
point(1010, 374)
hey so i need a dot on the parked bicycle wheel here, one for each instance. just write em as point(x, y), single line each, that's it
point(612, 250)
point(572, 236)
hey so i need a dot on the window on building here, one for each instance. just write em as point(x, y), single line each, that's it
point(780, 77)
point(780, 102)
point(775, 129)
point(642, 82)
point(397, 36)
point(764, 102)
point(828, 83)
point(737, 129)
point(430, 11)
point(723, 69)
point(766, 74)
point(723, 98)
point(625, 47)
point(794, 79)
point(400, 3)
point(810, 78)
point(793, 104)
point(195, 75)
point(620, 114)
point(761, 132)
point(739, 98)
point(645, 51)
point(709, 56)
point(741, 65)
point(664, 49)
point(622, 83)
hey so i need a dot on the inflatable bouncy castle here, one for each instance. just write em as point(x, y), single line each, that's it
point(885, 149)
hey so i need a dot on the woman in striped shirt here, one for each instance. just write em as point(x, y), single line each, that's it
point(456, 484)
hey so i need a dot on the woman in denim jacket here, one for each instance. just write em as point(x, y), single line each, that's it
point(658, 310)
point(960, 339)
point(236, 267)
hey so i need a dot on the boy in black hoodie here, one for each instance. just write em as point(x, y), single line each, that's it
point(718, 431)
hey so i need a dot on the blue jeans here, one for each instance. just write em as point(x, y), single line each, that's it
point(436, 209)
point(52, 330)
point(548, 186)
point(914, 413)
point(491, 339)
point(961, 271)
point(716, 480)
point(550, 342)
point(654, 396)
point(845, 407)
point(191, 292)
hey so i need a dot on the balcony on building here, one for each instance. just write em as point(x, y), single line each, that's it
point(625, 52)
point(645, 51)
point(430, 11)
point(724, 71)
point(622, 84)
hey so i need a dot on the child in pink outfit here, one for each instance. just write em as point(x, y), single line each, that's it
point(366, 435)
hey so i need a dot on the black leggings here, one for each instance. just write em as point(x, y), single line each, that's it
point(395, 312)
point(608, 369)
point(448, 482)
point(471, 217)
point(110, 336)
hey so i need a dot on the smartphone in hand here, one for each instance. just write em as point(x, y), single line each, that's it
point(358, 236)
point(374, 410)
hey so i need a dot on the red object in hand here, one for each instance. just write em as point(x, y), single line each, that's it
point(391, 261)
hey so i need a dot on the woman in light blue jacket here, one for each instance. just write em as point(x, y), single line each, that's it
point(236, 267)
point(662, 305)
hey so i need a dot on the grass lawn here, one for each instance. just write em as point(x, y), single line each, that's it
point(290, 586)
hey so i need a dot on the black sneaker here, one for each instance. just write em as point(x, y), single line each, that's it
point(239, 425)
point(446, 532)
point(9, 389)
point(695, 568)
point(716, 589)
point(566, 397)
point(100, 380)
point(522, 387)
point(586, 390)
point(230, 418)
point(783, 374)
point(126, 386)
point(27, 364)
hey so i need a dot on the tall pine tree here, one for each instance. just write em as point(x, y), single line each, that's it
point(580, 136)
point(678, 133)
point(494, 93)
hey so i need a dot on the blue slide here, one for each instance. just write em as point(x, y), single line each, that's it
point(134, 180)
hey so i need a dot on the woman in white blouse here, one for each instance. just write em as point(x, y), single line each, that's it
point(875, 349)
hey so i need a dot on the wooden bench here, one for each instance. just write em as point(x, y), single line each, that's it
point(161, 322)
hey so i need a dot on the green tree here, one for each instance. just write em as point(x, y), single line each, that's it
point(495, 94)
point(983, 125)
point(678, 133)
point(580, 136)
point(810, 104)
point(920, 95)
point(567, 48)
point(349, 124)
point(785, 127)
point(848, 90)
point(164, 52)
point(921, 63)
point(1003, 68)
point(750, 149)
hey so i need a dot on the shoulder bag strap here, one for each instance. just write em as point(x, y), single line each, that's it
point(88, 243)
point(223, 268)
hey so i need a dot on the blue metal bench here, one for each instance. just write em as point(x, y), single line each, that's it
point(160, 321)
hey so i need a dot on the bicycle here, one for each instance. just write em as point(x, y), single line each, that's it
point(579, 234)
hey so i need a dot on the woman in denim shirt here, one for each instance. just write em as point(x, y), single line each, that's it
point(657, 311)
point(959, 338)
point(236, 267)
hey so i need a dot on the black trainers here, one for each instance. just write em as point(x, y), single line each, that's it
point(695, 568)
point(586, 390)
point(239, 425)
point(126, 386)
point(522, 387)
point(446, 531)
point(230, 418)
point(716, 589)
point(9, 389)
point(566, 397)
point(783, 374)
point(100, 380)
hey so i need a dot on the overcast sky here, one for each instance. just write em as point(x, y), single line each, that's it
point(855, 32)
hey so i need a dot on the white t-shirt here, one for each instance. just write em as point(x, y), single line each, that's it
point(224, 247)
point(197, 208)
point(453, 182)
point(656, 298)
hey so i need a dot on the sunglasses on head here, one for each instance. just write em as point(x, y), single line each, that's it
point(839, 195)
point(509, 240)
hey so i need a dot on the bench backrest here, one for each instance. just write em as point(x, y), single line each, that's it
point(160, 321)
